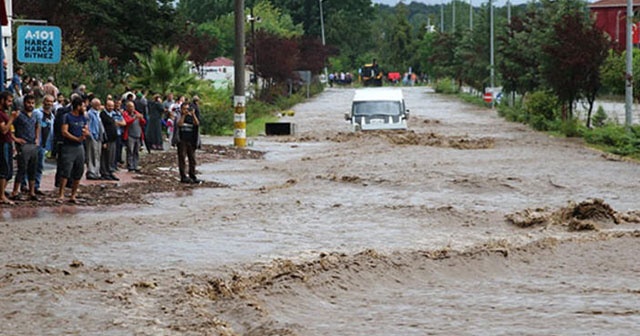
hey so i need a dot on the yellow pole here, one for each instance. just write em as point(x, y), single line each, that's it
point(239, 122)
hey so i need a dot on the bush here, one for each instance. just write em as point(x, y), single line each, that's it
point(216, 109)
point(600, 118)
point(615, 138)
point(284, 102)
point(446, 86)
point(512, 113)
point(569, 128)
point(472, 99)
point(541, 109)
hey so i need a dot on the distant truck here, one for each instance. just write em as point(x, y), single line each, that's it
point(377, 109)
point(371, 74)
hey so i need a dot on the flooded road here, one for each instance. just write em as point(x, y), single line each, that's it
point(384, 233)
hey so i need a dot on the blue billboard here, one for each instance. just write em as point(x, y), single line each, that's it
point(39, 44)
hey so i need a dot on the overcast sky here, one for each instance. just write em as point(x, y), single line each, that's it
point(437, 2)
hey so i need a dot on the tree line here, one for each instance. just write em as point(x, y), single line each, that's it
point(544, 45)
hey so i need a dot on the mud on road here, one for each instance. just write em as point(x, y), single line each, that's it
point(464, 225)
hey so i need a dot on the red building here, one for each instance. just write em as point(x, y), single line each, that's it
point(611, 17)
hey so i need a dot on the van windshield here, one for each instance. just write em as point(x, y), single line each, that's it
point(371, 108)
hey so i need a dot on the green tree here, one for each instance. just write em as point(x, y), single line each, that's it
point(473, 54)
point(200, 46)
point(424, 52)
point(596, 47)
point(398, 46)
point(443, 60)
point(572, 69)
point(222, 30)
point(350, 32)
point(348, 26)
point(278, 68)
point(117, 28)
point(275, 21)
point(201, 11)
point(612, 73)
point(164, 69)
point(519, 66)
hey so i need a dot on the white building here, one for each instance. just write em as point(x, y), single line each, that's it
point(220, 71)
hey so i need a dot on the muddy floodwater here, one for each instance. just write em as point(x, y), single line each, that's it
point(463, 225)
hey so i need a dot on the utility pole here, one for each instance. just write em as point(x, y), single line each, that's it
point(442, 17)
point(326, 72)
point(253, 19)
point(628, 101)
point(493, 98)
point(239, 99)
point(453, 16)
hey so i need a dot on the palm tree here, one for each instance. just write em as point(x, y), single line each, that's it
point(164, 70)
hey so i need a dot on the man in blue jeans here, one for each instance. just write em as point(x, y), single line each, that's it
point(44, 117)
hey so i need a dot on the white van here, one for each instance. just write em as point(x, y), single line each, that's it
point(378, 108)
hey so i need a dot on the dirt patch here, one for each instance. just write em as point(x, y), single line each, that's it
point(158, 175)
point(353, 179)
point(431, 121)
point(591, 214)
point(437, 140)
point(529, 217)
point(409, 138)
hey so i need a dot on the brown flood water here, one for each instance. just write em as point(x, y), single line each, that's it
point(464, 225)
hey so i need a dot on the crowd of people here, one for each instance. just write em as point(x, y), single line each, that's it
point(87, 136)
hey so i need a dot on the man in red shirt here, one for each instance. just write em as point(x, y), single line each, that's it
point(133, 135)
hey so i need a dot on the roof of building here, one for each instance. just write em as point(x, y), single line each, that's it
point(612, 3)
point(222, 61)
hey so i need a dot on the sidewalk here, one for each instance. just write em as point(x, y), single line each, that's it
point(47, 183)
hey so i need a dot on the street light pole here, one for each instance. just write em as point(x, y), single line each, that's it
point(326, 72)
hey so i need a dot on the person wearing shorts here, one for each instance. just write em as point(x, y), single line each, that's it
point(75, 129)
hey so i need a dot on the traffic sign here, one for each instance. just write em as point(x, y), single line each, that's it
point(39, 44)
point(488, 97)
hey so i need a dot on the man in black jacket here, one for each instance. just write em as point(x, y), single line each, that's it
point(109, 143)
point(186, 139)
